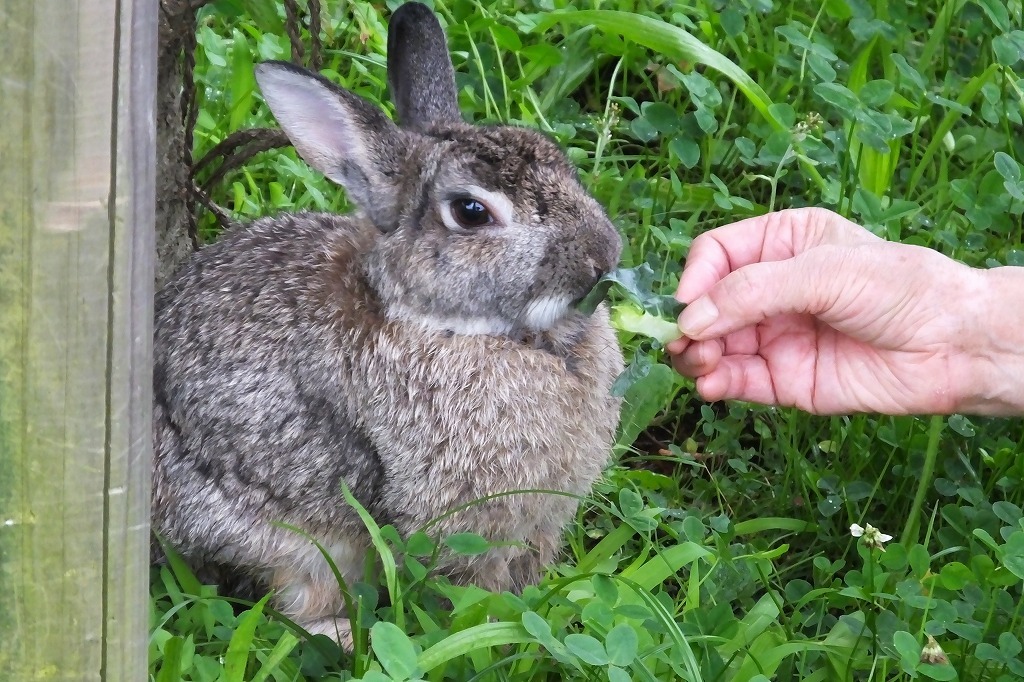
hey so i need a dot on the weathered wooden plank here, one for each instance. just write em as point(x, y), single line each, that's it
point(131, 421)
point(76, 272)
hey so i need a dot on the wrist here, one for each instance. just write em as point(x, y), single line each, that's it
point(993, 343)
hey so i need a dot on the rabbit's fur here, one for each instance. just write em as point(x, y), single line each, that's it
point(423, 363)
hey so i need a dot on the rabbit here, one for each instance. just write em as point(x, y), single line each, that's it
point(424, 351)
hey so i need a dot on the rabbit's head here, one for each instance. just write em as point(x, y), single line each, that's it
point(484, 229)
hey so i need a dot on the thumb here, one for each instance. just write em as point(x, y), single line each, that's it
point(756, 292)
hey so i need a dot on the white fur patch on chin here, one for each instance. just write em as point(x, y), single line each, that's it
point(466, 326)
point(542, 313)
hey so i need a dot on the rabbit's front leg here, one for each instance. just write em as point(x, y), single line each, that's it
point(306, 589)
point(511, 568)
point(489, 571)
point(338, 629)
point(315, 604)
point(527, 566)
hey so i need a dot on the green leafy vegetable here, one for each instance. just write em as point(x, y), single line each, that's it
point(596, 296)
point(628, 318)
point(646, 312)
point(636, 284)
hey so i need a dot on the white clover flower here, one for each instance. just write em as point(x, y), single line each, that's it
point(872, 536)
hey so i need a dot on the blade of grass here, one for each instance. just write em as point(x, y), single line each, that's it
point(664, 563)
point(931, 454)
point(387, 559)
point(969, 92)
point(678, 44)
point(277, 655)
point(607, 547)
point(237, 655)
point(473, 638)
point(875, 169)
point(668, 622)
point(182, 573)
point(760, 525)
point(672, 41)
point(170, 671)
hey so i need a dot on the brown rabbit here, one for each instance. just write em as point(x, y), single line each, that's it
point(425, 351)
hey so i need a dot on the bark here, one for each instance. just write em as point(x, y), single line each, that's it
point(174, 243)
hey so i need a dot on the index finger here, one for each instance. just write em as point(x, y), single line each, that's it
point(770, 237)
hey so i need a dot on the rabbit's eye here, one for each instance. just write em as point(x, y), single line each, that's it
point(470, 213)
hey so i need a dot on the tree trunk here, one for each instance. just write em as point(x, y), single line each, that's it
point(77, 82)
point(174, 244)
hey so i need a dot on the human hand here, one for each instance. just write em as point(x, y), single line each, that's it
point(804, 308)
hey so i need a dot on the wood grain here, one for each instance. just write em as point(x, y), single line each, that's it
point(77, 83)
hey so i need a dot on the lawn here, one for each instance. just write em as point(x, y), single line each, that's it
point(718, 545)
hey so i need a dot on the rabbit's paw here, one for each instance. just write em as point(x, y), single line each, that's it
point(337, 628)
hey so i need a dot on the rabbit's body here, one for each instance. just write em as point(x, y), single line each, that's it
point(424, 362)
point(253, 429)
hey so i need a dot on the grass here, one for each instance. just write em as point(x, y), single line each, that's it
point(718, 545)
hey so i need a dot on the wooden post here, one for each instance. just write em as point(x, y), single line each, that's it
point(77, 91)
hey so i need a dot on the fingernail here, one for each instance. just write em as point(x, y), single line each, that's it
point(697, 317)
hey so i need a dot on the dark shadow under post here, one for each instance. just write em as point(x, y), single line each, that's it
point(77, 140)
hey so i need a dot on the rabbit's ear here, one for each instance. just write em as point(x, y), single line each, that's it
point(338, 133)
point(420, 71)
